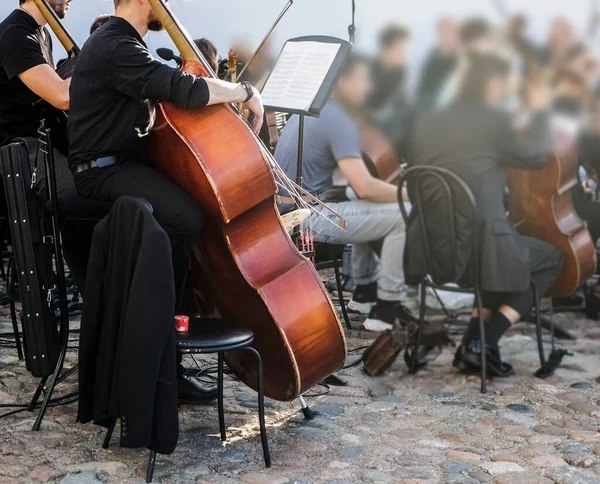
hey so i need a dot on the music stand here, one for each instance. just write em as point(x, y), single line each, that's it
point(302, 80)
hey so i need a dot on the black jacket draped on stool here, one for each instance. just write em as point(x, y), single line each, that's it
point(478, 143)
point(127, 360)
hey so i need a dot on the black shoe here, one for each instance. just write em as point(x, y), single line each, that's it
point(592, 306)
point(191, 392)
point(363, 299)
point(572, 300)
point(383, 317)
point(468, 359)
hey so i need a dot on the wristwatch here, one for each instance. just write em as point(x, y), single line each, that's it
point(249, 90)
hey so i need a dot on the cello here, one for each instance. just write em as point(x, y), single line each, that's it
point(248, 267)
point(540, 206)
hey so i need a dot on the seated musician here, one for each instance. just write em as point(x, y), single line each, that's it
point(26, 75)
point(332, 141)
point(575, 99)
point(115, 82)
point(475, 139)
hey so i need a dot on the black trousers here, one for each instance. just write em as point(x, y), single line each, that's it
point(178, 213)
point(76, 234)
point(546, 264)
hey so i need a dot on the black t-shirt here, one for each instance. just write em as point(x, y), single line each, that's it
point(23, 45)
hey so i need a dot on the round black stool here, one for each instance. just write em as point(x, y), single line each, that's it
point(210, 336)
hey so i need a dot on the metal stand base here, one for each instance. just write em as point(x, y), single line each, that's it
point(309, 414)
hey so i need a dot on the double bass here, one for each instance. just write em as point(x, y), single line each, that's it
point(56, 118)
point(248, 267)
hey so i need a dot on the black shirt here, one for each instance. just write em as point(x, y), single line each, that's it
point(114, 84)
point(23, 45)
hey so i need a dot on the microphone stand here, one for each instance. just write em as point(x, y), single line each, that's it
point(352, 26)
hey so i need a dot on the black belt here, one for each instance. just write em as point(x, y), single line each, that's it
point(99, 163)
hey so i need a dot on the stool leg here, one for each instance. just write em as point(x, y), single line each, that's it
point(220, 398)
point(151, 462)
point(109, 432)
point(261, 408)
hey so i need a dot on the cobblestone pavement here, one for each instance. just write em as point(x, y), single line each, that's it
point(434, 427)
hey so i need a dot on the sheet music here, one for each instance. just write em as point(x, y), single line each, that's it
point(299, 74)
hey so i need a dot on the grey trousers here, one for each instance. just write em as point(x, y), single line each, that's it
point(368, 222)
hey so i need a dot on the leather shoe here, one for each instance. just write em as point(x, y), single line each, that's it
point(468, 358)
point(191, 392)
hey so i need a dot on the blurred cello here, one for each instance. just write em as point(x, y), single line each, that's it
point(250, 270)
point(541, 206)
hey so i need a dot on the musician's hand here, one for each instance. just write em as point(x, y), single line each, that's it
point(255, 105)
point(539, 96)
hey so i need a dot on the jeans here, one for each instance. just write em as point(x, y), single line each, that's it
point(368, 222)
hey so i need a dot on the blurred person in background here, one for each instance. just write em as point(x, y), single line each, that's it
point(209, 50)
point(387, 106)
point(475, 138)
point(99, 22)
point(475, 35)
point(560, 38)
point(332, 141)
point(259, 68)
point(440, 63)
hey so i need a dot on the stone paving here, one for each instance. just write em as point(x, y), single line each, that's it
point(434, 427)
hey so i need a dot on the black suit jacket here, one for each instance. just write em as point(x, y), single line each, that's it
point(478, 143)
point(127, 361)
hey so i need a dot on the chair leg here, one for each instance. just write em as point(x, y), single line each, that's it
point(340, 290)
point(538, 325)
point(482, 339)
point(261, 408)
point(150, 470)
point(109, 432)
point(415, 357)
point(220, 398)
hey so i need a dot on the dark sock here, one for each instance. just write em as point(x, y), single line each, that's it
point(365, 293)
point(494, 330)
point(472, 331)
point(385, 304)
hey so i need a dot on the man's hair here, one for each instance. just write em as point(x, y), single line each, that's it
point(392, 34)
point(21, 2)
point(482, 68)
point(99, 22)
point(208, 49)
point(353, 61)
point(120, 2)
point(474, 29)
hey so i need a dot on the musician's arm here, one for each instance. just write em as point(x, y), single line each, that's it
point(48, 85)
point(530, 151)
point(364, 184)
point(21, 56)
point(135, 73)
